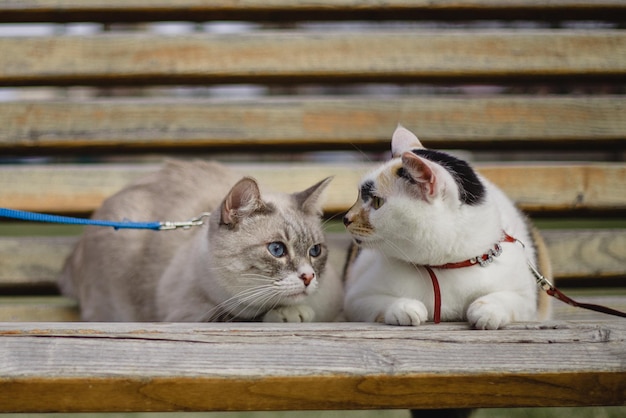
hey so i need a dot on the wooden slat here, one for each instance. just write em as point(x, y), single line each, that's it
point(61, 309)
point(82, 188)
point(38, 309)
point(561, 187)
point(585, 254)
point(32, 261)
point(197, 367)
point(326, 56)
point(536, 188)
point(277, 10)
point(313, 123)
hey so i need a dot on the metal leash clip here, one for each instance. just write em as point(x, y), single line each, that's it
point(197, 221)
point(540, 278)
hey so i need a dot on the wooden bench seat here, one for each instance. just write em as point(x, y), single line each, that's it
point(309, 366)
point(102, 91)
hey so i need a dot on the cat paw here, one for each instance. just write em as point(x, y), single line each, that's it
point(487, 315)
point(290, 313)
point(406, 312)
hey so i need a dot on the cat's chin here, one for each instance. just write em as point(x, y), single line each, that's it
point(295, 298)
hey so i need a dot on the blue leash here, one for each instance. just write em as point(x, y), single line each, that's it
point(156, 226)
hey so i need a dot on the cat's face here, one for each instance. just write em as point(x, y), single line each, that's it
point(410, 206)
point(267, 251)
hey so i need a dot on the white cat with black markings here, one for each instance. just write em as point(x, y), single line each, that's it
point(258, 256)
point(437, 241)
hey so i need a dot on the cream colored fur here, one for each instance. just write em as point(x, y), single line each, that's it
point(220, 271)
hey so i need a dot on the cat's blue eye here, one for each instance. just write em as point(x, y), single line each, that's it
point(277, 249)
point(315, 250)
point(377, 202)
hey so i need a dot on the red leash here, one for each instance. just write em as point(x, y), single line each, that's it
point(485, 259)
point(556, 293)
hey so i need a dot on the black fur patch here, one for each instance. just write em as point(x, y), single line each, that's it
point(367, 189)
point(471, 189)
point(401, 172)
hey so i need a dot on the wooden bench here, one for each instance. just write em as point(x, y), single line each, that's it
point(290, 92)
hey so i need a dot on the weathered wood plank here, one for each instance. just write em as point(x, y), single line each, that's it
point(536, 188)
point(78, 188)
point(165, 367)
point(292, 56)
point(593, 254)
point(585, 253)
point(60, 309)
point(38, 309)
point(313, 123)
point(32, 261)
point(289, 10)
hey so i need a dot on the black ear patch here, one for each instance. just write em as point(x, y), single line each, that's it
point(402, 173)
point(471, 189)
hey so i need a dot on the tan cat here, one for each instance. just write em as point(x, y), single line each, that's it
point(258, 256)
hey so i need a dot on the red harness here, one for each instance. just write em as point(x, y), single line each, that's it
point(482, 260)
point(487, 258)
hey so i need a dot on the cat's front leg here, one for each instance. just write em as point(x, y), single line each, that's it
point(386, 309)
point(367, 307)
point(290, 313)
point(404, 311)
point(498, 309)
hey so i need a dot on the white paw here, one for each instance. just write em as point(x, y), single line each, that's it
point(406, 312)
point(484, 314)
point(290, 313)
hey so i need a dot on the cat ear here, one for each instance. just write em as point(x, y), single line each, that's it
point(309, 200)
point(423, 172)
point(403, 140)
point(243, 199)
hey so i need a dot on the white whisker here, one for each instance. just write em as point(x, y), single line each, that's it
point(395, 246)
point(328, 220)
point(238, 303)
point(259, 277)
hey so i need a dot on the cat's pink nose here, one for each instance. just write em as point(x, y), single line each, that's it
point(307, 278)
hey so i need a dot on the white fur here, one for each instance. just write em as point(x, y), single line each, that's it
point(387, 281)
